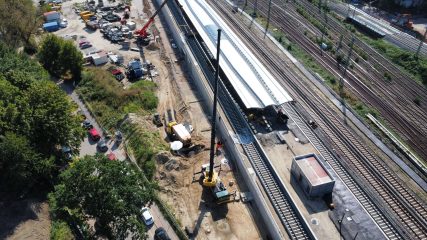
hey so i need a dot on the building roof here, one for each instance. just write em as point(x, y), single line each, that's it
point(313, 170)
point(256, 87)
point(49, 13)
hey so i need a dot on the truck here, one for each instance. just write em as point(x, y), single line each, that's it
point(52, 16)
point(134, 69)
point(180, 132)
point(175, 130)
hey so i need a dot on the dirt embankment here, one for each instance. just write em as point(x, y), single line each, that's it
point(24, 219)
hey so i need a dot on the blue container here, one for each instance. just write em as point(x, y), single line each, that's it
point(51, 26)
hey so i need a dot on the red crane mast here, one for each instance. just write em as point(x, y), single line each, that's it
point(143, 31)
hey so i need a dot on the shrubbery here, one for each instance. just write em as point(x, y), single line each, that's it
point(109, 101)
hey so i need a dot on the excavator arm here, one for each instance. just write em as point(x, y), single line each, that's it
point(143, 31)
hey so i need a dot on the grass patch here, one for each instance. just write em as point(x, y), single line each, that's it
point(109, 102)
point(144, 144)
point(406, 60)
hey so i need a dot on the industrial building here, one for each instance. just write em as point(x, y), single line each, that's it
point(312, 176)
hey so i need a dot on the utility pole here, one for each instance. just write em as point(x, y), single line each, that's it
point(215, 103)
point(421, 44)
point(254, 14)
point(341, 83)
point(268, 18)
point(339, 44)
point(350, 51)
point(323, 33)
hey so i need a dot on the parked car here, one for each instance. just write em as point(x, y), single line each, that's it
point(161, 234)
point(86, 45)
point(66, 152)
point(112, 18)
point(87, 124)
point(146, 216)
point(83, 42)
point(111, 156)
point(63, 23)
point(94, 135)
point(119, 136)
point(118, 74)
point(102, 145)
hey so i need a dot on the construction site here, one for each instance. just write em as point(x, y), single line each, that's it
point(257, 148)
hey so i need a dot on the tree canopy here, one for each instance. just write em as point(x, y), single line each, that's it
point(112, 192)
point(20, 165)
point(19, 19)
point(60, 57)
point(36, 116)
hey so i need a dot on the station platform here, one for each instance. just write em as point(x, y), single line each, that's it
point(254, 84)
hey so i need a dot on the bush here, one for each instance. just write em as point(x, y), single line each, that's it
point(60, 231)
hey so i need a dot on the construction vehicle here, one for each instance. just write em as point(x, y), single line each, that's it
point(175, 130)
point(86, 17)
point(142, 33)
point(403, 21)
point(134, 70)
point(84, 13)
point(210, 178)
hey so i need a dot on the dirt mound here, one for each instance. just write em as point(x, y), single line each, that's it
point(152, 46)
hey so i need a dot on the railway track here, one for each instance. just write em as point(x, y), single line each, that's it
point(412, 128)
point(396, 210)
point(281, 201)
point(410, 88)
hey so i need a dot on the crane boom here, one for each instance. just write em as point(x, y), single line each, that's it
point(143, 31)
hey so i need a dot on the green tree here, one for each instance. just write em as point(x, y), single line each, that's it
point(111, 192)
point(49, 52)
point(60, 57)
point(19, 20)
point(51, 121)
point(71, 60)
point(20, 165)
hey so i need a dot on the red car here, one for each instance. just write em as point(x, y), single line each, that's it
point(83, 43)
point(111, 156)
point(118, 74)
point(94, 135)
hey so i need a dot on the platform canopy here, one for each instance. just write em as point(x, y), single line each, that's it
point(256, 87)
